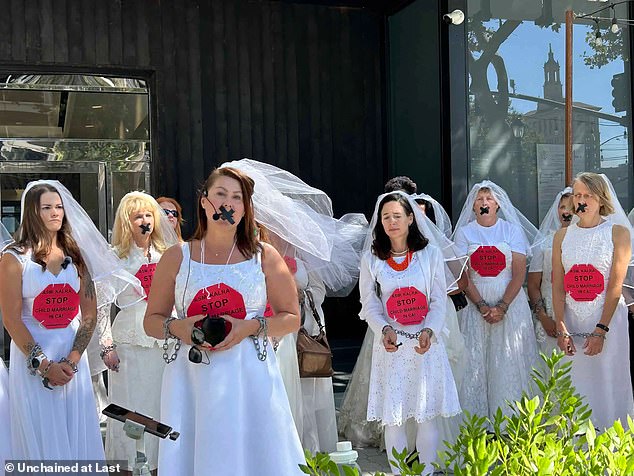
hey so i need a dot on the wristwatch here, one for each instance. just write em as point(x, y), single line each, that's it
point(37, 361)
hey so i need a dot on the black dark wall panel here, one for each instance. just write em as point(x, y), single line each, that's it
point(293, 84)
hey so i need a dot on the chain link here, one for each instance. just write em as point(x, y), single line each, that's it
point(166, 357)
point(580, 334)
point(409, 335)
point(256, 339)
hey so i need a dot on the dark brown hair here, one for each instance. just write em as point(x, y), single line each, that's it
point(32, 232)
point(381, 245)
point(179, 209)
point(246, 236)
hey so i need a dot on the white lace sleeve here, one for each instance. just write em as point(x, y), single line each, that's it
point(103, 328)
point(435, 319)
point(371, 306)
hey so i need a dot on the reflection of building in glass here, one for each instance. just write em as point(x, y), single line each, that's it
point(547, 121)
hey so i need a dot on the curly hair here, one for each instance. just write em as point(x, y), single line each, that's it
point(122, 238)
point(401, 183)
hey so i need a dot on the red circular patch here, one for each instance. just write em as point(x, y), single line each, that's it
point(216, 300)
point(56, 306)
point(291, 263)
point(268, 312)
point(584, 282)
point(407, 306)
point(488, 261)
point(145, 274)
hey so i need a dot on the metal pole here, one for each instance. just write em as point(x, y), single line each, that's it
point(568, 115)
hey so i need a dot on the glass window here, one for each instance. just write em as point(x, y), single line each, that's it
point(516, 98)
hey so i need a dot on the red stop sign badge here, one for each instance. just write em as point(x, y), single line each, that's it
point(56, 306)
point(584, 282)
point(216, 300)
point(268, 312)
point(291, 263)
point(145, 274)
point(407, 306)
point(488, 261)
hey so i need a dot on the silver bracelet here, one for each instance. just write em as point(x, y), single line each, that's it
point(166, 327)
point(35, 352)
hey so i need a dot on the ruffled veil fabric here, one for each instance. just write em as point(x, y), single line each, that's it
point(443, 222)
point(302, 216)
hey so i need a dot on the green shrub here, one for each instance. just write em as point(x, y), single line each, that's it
point(550, 434)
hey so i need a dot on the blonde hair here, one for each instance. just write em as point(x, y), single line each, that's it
point(122, 230)
point(488, 190)
point(599, 188)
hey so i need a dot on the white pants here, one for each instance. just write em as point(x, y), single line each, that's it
point(427, 440)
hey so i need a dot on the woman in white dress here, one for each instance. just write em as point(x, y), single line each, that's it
point(141, 234)
point(590, 263)
point(403, 286)
point(352, 422)
point(497, 323)
point(47, 298)
point(232, 414)
point(540, 284)
point(5, 428)
point(323, 254)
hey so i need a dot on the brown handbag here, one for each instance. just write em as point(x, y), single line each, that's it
point(313, 352)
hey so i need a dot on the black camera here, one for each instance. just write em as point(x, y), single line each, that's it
point(212, 330)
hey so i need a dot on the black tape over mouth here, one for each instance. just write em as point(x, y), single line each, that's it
point(484, 210)
point(145, 228)
point(581, 207)
point(566, 217)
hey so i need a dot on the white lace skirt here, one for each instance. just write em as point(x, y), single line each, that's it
point(500, 356)
point(405, 384)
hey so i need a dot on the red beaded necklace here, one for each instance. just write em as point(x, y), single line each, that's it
point(403, 265)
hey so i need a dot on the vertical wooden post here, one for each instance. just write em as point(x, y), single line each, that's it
point(568, 114)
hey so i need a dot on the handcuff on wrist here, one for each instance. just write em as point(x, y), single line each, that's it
point(480, 304)
point(106, 349)
point(70, 363)
point(503, 305)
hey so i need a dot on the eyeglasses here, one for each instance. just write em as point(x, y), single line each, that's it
point(174, 213)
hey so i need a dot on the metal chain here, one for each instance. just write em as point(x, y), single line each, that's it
point(171, 358)
point(415, 335)
point(580, 334)
point(166, 357)
point(265, 340)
